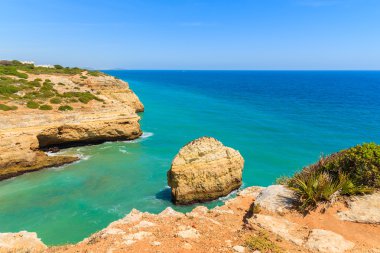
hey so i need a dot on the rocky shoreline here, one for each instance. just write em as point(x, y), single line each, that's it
point(101, 108)
point(234, 227)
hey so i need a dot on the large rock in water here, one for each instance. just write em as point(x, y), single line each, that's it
point(204, 170)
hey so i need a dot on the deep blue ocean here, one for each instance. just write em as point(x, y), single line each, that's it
point(280, 121)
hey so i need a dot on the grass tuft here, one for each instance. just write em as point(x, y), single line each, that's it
point(46, 107)
point(55, 100)
point(65, 108)
point(32, 105)
point(4, 107)
point(262, 243)
point(348, 172)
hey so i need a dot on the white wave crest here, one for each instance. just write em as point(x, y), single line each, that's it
point(143, 137)
point(84, 157)
point(123, 151)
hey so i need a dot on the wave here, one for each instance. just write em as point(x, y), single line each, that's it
point(229, 196)
point(123, 151)
point(84, 157)
point(143, 137)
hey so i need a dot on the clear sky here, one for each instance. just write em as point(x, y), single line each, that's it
point(193, 34)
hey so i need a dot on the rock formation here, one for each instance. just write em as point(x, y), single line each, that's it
point(21, 242)
point(107, 112)
point(276, 198)
point(204, 170)
point(227, 228)
point(363, 209)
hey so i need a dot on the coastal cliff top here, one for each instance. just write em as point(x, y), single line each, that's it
point(43, 106)
point(28, 90)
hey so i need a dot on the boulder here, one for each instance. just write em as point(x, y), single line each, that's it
point(363, 209)
point(327, 241)
point(204, 170)
point(286, 229)
point(276, 198)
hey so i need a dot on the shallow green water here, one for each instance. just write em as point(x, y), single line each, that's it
point(279, 121)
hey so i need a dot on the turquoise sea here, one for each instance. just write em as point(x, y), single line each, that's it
point(279, 120)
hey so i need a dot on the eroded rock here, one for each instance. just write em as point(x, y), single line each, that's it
point(288, 230)
point(276, 198)
point(170, 212)
point(188, 233)
point(252, 191)
point(327, 241)
point(204, 170)
point(363, 209)
point(239, 249)
point(21, 242)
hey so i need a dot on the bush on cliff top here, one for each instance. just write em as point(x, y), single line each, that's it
point(55, 100)
point(45, 107)
point(348, 172)
point(12, 71)
point(32, 105)
point(65, 108)
point(4, 107)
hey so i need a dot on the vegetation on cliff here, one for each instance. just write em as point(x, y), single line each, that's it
point(19, 69)
point(349, 172)
point(17, 86)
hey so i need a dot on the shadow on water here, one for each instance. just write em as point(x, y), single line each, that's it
point(164, 194)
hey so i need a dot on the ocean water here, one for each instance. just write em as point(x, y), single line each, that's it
point(280, 121)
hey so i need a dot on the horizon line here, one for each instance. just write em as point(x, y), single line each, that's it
point(120, 69)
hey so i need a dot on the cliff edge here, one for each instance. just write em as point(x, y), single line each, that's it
point(43, 108)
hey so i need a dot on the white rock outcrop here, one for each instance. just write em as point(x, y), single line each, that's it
point(275, 198)
point(363, 209)
point(327, 241)
point(21, 242)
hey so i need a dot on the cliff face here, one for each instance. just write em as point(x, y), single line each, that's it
point(204, 170)
point(79, 109)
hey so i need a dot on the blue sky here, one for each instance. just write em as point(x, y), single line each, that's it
point(193, 34)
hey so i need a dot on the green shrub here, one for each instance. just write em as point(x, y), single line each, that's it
point(65, 108)
point(35, 83)
point(32, 105)
point(55, 100)
point(7, 108)
point(46, 94)
point(58, 67)
point(83, 77)
point(94, 73)
point(348, 172)
point(83, 97)
point(315, 187)
point(7, 89)
point(12, 71)
point(45, 107)
point(361, 163)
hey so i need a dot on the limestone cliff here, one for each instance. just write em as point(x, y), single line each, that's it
point(57, 108)
point(204, 170)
